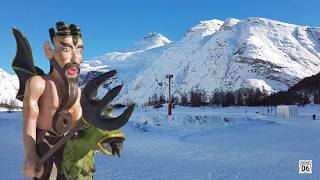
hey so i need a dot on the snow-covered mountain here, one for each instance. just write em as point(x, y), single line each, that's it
point(254, 52)
point(9, 85)
point(129, 64)
point(224, 55)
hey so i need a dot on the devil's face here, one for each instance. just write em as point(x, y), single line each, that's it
point(68, 54)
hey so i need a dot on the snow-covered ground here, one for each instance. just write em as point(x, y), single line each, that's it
point(198, 143)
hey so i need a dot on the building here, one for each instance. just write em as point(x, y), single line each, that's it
point(287, 111)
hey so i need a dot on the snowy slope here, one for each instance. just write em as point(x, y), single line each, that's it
point(227, 55)
point(129, 63)
point(233, 143)
point(9, 85)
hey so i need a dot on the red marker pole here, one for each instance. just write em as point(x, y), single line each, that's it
point(169, 109)
point(169, 76)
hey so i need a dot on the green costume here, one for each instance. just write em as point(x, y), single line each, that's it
point(78, 162)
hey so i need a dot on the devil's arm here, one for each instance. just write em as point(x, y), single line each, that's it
point(33, 90)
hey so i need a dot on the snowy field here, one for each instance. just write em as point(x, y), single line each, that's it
point(198, 143)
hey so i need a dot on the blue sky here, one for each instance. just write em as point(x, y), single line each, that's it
point(115, 24)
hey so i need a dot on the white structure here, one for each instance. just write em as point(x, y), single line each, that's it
point(287, 111)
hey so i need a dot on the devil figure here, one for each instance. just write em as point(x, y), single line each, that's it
point(54, 108)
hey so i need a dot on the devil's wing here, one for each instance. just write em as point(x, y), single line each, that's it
point(23, 63)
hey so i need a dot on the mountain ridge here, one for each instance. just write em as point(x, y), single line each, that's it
point(224, 55)
point(214, 55)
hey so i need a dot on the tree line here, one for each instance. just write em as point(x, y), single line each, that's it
point(198, 97)
point(305, 91)
point(9, 104)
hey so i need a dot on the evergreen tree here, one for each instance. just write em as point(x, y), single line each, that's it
point(239, 98)
point(229, 98)
point(195, 98)
point(184, 99)
point(162, 99)
point(217, 99)
point(211, 99)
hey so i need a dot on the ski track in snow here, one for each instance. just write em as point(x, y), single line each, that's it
point(248, 146)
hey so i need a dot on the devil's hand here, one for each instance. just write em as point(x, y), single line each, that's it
point(116, 148)
point(113, 145)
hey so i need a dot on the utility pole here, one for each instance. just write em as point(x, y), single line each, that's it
point(169, 76)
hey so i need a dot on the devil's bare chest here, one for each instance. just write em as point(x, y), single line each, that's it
point(51, 98)
point(49, 103)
